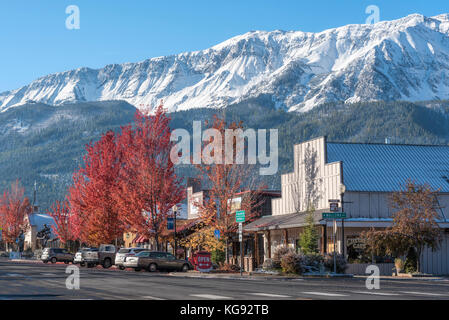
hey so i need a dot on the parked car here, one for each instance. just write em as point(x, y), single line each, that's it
point(105, 255)
point(123, 253)
point(153, 261)
point(55, 255)
point(79, 259)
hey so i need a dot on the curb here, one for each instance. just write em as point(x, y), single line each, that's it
point(258, 277)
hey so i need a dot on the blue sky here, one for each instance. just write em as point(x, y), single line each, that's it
point(34, 40)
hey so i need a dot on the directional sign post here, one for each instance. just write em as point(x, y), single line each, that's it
point(334, 216)
point(240, 216)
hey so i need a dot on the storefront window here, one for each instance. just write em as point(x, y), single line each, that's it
point(357, 252)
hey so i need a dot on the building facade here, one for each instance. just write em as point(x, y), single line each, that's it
point(361, 177)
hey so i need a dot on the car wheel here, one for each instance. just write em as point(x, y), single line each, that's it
point(121, 267)
point(107, 263)
point(66, 262)
point(82, 264)
point(45, 261)
point(53, 260)
point(137, 269)
point(152, 267)
point(185, 268)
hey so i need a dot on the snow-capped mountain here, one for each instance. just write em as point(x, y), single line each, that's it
point(405, 59)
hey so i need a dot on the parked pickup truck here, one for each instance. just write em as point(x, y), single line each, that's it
point(79, 259)
point(104, 256)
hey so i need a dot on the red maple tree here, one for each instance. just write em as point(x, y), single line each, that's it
point(64, 221)
point(227, 182)
point(14, 207)
point(148, 186)
point(92, 195)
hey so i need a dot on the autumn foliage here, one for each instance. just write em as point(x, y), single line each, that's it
point(127, 182)
point(65, 224)
point(148, 186)
point(414, 223)
point(14, 207)
point(226, 182)
point(92, 195)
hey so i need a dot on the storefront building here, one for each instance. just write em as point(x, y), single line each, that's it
point(361, 177)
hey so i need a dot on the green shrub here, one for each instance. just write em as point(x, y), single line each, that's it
point(399, 264)
point(313, 262)
point(411, 262)
point(218, 256)
point(329, 263)
point(278, 254)
point(290, 263)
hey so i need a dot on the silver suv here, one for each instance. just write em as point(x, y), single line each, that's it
point(123, 253)
point(55, 255)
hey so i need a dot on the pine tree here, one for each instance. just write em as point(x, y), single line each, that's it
point(308, 240)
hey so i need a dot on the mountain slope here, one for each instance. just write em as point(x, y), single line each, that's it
point(44, 143)
point(405, 59)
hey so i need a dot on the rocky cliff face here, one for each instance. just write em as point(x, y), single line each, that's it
point(405, 59)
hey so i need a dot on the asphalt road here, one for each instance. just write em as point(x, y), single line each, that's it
point(20, 281)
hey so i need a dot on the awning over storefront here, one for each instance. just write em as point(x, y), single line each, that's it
point(296, 220)
point(285, 221)
point(141, 239)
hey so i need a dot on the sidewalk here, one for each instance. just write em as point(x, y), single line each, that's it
point(428, 278)
point(254, 276)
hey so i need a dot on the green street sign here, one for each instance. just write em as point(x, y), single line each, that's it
point(240, 216)
point(334, 215)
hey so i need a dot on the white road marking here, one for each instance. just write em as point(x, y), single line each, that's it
point(329, 294)
point(49, 274)
point(210, 296)
point(377, 293)
point(13, 275)
point(269, 295)
point(152, 298)
point(423, 293)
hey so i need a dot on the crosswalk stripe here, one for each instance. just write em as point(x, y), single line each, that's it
point(269, 295)
point(210, 296)
point(152, 298)
point(329, 294)
point(377, 293)
point(422, 293)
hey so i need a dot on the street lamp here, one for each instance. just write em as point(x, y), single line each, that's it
point(175, 212)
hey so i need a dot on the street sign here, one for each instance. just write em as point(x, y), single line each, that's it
point(334, 206)
point(240, 216)
point(170, 223)
point(334, 201)
point(334, 215)
point(217, 233)
point(240, 232)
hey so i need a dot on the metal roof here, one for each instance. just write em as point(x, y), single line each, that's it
point(386, 167)
point(283, 221)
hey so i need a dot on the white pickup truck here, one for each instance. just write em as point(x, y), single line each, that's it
point(104, 256)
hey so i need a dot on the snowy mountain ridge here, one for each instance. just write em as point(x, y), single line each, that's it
point(404, 59)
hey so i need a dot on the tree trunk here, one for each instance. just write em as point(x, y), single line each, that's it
point(227, 251)
point(156, 239)
point(418, 259)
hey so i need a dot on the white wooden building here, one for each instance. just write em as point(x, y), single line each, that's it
point(361, 177)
